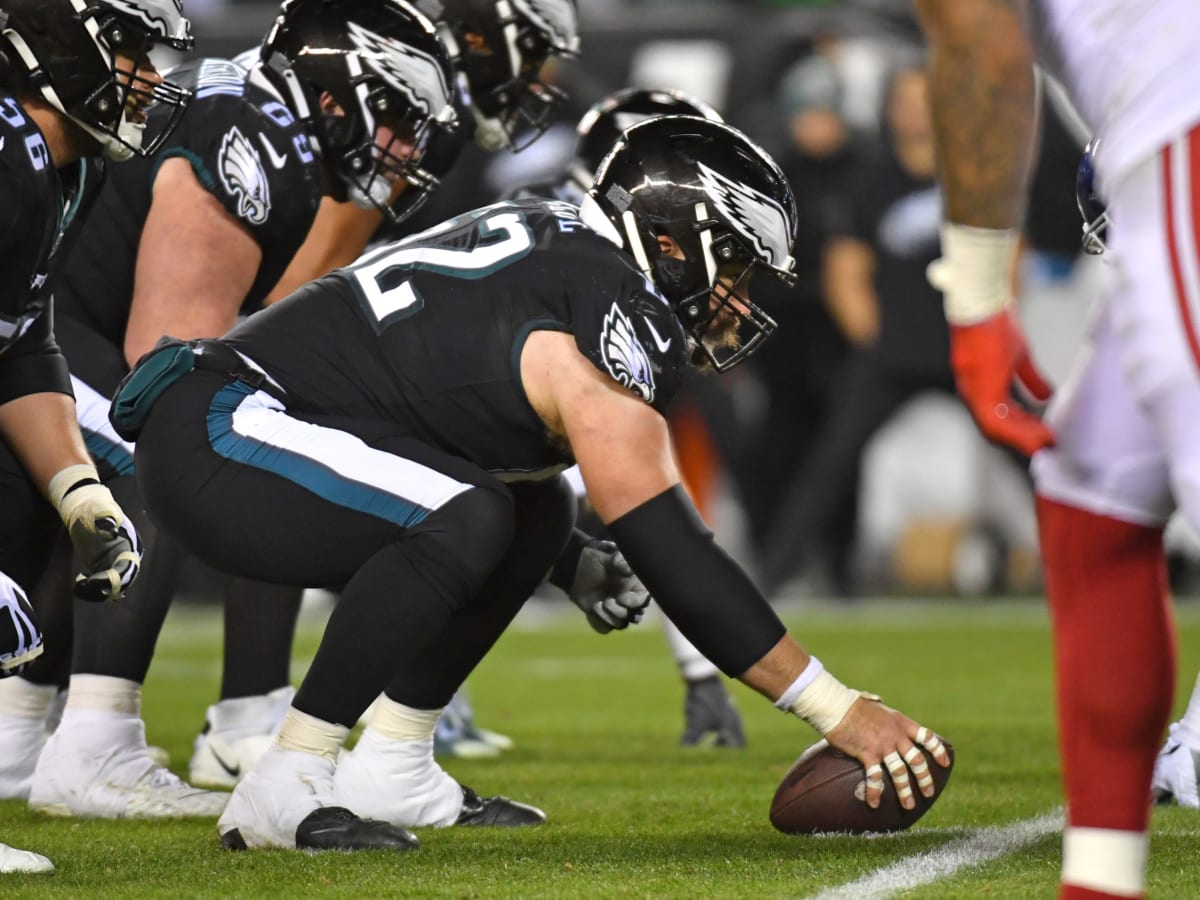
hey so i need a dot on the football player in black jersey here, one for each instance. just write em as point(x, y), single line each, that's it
point(499, 49)
point(344, 100)
point(75, 84)
point(708, 710)
point(397, 429)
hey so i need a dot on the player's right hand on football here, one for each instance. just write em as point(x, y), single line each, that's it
point(605, 588)
point(888, 744)
point(986, 357)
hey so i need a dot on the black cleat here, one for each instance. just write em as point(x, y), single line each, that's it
point(232, 840)
point(336, 828)
point(499, 812)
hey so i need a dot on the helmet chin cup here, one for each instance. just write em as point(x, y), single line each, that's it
point(374, 196)
point(490, 135)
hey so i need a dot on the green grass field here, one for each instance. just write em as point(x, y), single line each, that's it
point(597, 721)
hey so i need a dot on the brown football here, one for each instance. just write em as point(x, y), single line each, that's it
point(824, 790)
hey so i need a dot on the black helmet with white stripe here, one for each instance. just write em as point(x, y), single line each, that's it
point(66, 51)
point(373, 83)
point(500, 47)
point(725, 204)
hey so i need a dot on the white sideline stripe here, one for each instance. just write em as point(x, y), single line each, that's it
point(984, 845)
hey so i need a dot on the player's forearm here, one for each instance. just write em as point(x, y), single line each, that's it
point(983, 97)
point(43, 434)
point(702, 590)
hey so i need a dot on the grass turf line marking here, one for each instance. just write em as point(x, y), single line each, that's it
point(925, 868)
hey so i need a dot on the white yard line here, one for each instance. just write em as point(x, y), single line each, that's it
point(925, 868)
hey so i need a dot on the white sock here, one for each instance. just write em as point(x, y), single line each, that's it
point(398, 722)
point(693, 664)
point(430, 796)
point(1187, 732)
point(111, 697)
point(1105, 860)
point(308, 734)
point(23, 699)
point(240, 717)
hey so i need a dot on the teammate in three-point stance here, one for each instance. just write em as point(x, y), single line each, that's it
point(1120, 447)
point(75, 85)
point(346, 95)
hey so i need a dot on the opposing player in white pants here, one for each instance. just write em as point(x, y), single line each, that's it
point(1120, 447)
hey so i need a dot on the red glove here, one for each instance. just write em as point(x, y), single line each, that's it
point(986, 356)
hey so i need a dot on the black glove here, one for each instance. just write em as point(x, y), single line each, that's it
point(708, 708)
point(20, 637)
point(104, 538)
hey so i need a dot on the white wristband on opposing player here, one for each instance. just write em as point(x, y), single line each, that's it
point(974, 271)
point(822, 701)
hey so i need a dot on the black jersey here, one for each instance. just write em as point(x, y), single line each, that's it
point(428, 331)
point(245, 148)
point(40, 213)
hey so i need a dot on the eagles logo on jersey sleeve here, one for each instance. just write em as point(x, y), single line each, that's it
point(631, 334)
point(248, 151)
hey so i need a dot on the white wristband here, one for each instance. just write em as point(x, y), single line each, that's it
point(87, 503)
point(805, 678)
point(974, 271)
point(65, 478)
point(824, 703)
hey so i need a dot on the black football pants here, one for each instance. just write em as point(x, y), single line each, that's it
point(426, 586)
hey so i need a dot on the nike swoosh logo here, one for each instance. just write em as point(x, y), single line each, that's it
point(277, 160)
point(233, 771)
point(663, 346)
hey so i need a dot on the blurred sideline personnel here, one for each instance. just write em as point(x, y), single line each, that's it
point(75, 84)
point(708, 710)
point(876, 290)
point(399, 428)
point(346, 96)
point(1119, 449)
point(499, 49)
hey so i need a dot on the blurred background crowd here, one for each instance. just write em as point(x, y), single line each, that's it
point(837, 461)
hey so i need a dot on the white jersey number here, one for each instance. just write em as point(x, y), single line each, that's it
point(385, 276)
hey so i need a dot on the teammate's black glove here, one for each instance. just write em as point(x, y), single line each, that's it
point(104, 538)
point(708, 709)
point(605, 588)
point(20, 637)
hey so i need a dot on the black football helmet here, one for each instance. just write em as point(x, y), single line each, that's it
point(724, 202)
point(383, 64)
point(1091, 207)
point(68, 50)
point(500, 46)
point(603, 123)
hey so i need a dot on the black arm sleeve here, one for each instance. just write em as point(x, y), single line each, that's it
point(700, 588)
point(563, 573)
point(34, 364)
